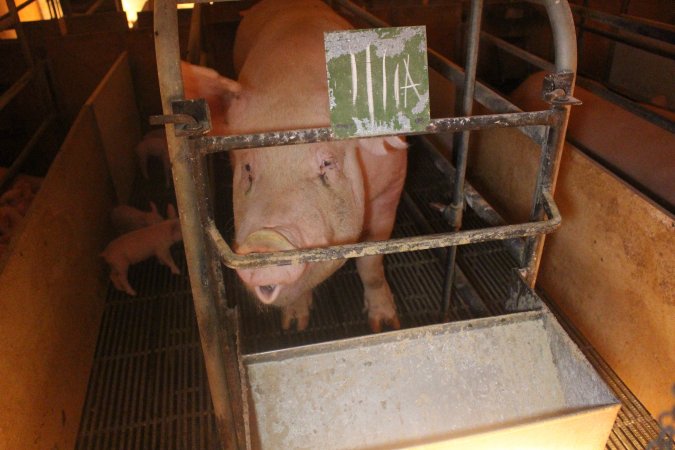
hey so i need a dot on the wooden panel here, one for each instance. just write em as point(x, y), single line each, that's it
point(610, 267)
point(79, 63)
point(114, 106)
point(51, 297)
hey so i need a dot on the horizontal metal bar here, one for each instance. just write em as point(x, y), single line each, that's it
point(357, 250)
point(8, 21)
point(214, 144)
point(659, 48)
point(453, 72)
point(473, 198)
point(15, 88)
point(655, 30)
point(518, 52)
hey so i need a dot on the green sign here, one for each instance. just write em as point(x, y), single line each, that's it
point(378, 81)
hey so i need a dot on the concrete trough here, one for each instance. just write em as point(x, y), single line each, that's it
point(513, 381)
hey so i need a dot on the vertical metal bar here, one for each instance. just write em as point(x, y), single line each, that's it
point(21, 36)
point(462, 146)
point(562, 27)
point(204, 287)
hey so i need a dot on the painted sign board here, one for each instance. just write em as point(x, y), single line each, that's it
point(378, 81)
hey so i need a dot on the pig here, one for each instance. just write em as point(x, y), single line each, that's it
point(139, 245)
point(154, 145)
point(127, 218)
point(640, 150)
point(310, 195)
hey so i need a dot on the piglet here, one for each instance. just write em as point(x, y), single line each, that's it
point(139, 245)
point(154, 145)
point(10, 217)
point(127, 218)
point(20, 196)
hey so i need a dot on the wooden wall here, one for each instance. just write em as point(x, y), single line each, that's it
point(611, 265)
point(52, 286)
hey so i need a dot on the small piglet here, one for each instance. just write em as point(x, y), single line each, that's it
point(139, 245)
point(154, 144)
point(127, 218)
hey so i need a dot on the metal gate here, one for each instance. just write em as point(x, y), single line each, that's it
point(206, 250)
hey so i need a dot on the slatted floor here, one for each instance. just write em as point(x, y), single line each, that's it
point(148, 387)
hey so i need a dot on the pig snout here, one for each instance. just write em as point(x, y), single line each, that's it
point(268, 282)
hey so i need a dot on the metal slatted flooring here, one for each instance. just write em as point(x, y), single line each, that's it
point(148, 387)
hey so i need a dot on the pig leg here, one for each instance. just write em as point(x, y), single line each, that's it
point(298, 311)
point(118, 276)
point(378, 298)
point(164, 257)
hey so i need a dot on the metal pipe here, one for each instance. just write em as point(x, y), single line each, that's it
point(196, 252)
point(649, 45)
point(16, 88)
point(357, 250)
point(562, 27)
point(461, 147)
point(655, 30)
point(214, 144)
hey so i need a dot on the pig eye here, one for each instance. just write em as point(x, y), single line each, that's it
point(326, 166)
point(249, 174)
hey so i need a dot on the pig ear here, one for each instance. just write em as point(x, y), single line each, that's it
point(171, 212)
point(153, 207)
point(203, 82)
point(382, 146)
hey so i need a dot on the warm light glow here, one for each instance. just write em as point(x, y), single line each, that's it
point(132, 7)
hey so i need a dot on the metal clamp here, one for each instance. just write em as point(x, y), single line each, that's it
point(557, 88)
point(190, 117)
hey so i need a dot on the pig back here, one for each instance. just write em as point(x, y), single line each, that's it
point(279, 54)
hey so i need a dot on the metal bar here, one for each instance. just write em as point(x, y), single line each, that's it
point(357, 250)
point(587, 83)
point(461, 147)
point(25, 48)
point(214, 144)
point(655, 30)
point(563, 30)
point(196, 250)
point(546, 180)
point(15, 88)
point(519, 52)
point(473, 198)
point(25, 152)
point(647, 44)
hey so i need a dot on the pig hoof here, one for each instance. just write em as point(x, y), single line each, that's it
point(297, 312)
point(381, 309)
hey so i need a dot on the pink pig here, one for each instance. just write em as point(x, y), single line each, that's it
point(139, 245)
point(312, 195)
point(127, 218)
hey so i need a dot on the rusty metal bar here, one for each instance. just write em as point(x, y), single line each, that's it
point(205, 287)
point(214, 144)
point(357, 250)
point(461, 147)
point(655, 30)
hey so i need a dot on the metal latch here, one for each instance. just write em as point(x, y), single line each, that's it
point(190, 117)
point(557, 87)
